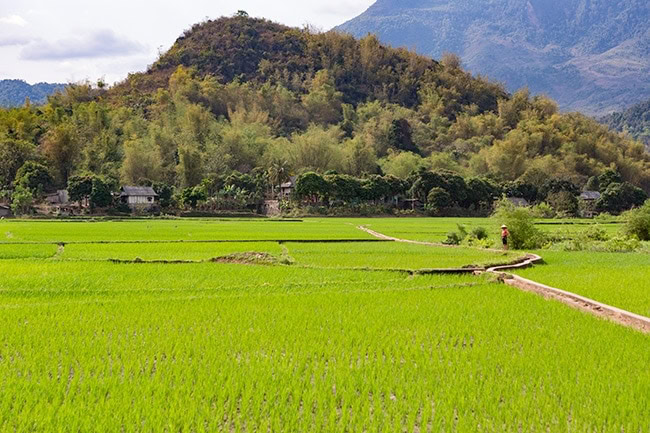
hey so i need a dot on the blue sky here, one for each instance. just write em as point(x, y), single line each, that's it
point(73, 40)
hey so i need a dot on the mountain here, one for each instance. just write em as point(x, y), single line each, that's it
point(635, 121)
point(259, 51)
point(590, 55)
point(14, 92)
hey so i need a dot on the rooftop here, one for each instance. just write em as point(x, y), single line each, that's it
point(138, 191)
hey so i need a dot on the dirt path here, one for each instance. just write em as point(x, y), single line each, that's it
point(573, 300)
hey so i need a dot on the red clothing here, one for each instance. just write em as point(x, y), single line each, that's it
point(505, 233)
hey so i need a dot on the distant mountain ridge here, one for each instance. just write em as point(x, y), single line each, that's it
point(14, 92)
point(589, 55)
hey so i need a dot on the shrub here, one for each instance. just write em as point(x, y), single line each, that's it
point(622, 244)
point(521, 225)
point(638, 222)
point(455, 238)
point(543, 210)
point(479, 233)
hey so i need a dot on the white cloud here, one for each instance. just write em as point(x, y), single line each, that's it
point(102, 43)
point(16, 20)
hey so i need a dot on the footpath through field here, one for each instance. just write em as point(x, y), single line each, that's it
point(574, 300)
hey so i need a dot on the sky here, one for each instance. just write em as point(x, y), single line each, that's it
point(74, 40)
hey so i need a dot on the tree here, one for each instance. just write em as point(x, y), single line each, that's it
point(400, 136)
point(316, 149)
point(424, 181)
point(323, 102)
point(360, 157)
point(563, 203)
point(554, 186)
point(35, 177)
point(165, 194)
point(521, 189)
point(481, 193)
point(100, 193)
point(311, 186)
point(619, 197)
point(439, 198)
point(608, 177)
point(80, 187)
point(21, 200)
point(13, 155)
point(142, 163)
point(402, 164)
point(344, 188)
point(62, 147)
point(191, 196)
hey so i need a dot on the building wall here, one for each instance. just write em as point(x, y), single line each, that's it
point(140, 200)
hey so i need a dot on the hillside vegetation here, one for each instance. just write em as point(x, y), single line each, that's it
point(591, 56)
point(242, 95)
point(635, 121)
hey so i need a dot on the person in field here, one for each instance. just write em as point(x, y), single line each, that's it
point(504, 236)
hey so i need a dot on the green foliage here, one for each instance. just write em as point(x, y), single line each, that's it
point(619, 197)
point(607, 178)
point(100, 194)
point(13, 155)
point(80, 187)
point(634, 121)
point(21, 200)
point(312, 186)
point(192, 196)
point(35, 177)
point(165, 194)
point(521, 225)
point(543, 210)
point(439, 198)
point(638, 222)
point(564, 203)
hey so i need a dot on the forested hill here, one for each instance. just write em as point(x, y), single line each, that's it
point(259, 51)
point(14, 92)
point(635, 121)
point(240, 95)
point(590, 55)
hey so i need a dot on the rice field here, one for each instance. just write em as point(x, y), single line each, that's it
point(618, 279)
point(134, 326)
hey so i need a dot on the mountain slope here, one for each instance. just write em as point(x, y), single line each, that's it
point(14, 92)
point(635, 121)
point(589, 55)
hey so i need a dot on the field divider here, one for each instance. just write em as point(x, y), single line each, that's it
point(204, 241)
point(615, 314)
point(381, 236)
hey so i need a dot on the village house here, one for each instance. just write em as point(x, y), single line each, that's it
point(138, 197)
point(588, 201)
point(5, 211)
point(57, 198)
point(287, 188)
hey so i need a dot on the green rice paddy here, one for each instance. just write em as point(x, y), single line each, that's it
point(239, 326)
